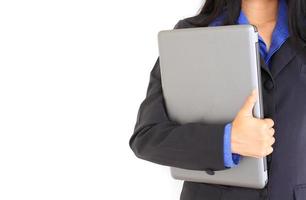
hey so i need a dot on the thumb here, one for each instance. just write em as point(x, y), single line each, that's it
point(247, 108)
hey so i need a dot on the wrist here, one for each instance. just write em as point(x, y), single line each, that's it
point(233, 140)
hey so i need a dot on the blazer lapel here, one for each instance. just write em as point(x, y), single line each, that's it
point(264, 66)
point(284, 55)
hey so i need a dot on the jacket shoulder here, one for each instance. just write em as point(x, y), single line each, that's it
point(189, 22)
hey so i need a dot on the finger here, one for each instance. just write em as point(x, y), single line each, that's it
point(269, 121)
point(272, 141)
point(247, 108)
point(269, 150)
point(271, 131)
point(265, 124)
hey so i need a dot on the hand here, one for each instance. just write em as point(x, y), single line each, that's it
point(251, 136)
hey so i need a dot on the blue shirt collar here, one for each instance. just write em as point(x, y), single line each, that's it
point(279, 35)
point(280, 32)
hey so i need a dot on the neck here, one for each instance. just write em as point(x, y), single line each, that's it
point(260, 12)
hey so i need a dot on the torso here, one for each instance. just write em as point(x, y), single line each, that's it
point(284, 98)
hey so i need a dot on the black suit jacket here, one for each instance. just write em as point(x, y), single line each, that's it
point(199, 146)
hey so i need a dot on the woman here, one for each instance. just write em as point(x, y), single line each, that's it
point(281, 135)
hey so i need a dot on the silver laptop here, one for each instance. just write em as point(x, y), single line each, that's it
point(207, 74)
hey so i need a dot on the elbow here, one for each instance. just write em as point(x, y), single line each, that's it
point(139, 143)
point(135, 145)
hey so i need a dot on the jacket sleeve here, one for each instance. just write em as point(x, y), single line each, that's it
point(195, 146)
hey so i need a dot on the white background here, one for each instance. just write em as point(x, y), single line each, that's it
point(72, 77)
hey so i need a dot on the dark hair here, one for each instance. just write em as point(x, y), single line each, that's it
point(213, 8)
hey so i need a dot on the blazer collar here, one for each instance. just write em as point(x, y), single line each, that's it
point(282, 57)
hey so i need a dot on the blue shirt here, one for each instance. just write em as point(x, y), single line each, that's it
point(279, 36)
